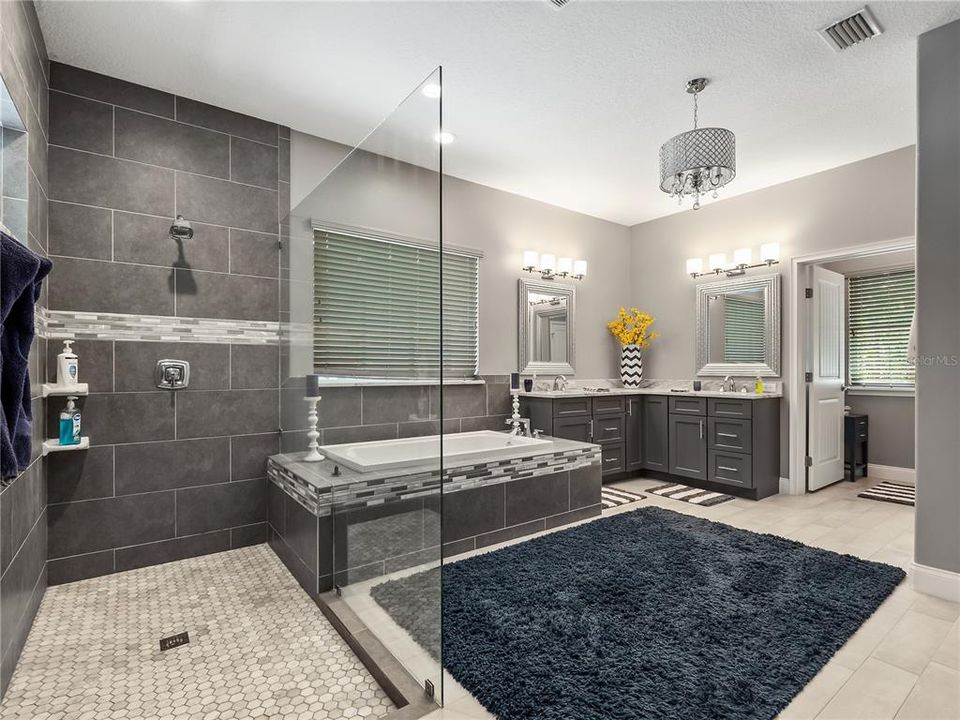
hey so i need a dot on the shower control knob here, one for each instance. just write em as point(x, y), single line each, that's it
point(172, 374)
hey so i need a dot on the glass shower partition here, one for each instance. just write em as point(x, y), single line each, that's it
point(361, 309)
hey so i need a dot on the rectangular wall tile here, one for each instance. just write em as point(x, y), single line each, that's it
point(459, 400)
point(284, 163)
point(80, 475)
point(359, 433)
point(398, 403)
point(300, 532)
point(90, 179)
point(276, 499)
point(107, 89)
point(253, 163)
point(217, 507)
point(226, 203)
point(95, 363)
point(18, 584)
point(131, 558)
point(146, 239)
point(82, 124)
point(80, 567)
point(585, 486)
point(135, 364)
point(92, 285)
point(92, 525)
point(21, 504)
point(225, 121)
point(109, 418)
point(216, 295)
point(254, 367)
point(253, 253)
point(232, 412)
point(536, 497)
point(249, 453)
point(80, 231)
point(171, 144)
point(148, 467)
point(248, 535)
point(472, 512)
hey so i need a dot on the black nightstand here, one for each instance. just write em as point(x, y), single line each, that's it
point(855, 437)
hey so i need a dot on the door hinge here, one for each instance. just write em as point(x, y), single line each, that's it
point(808, 461)
point(808, 377)
point(808, 293)
point(429, 689)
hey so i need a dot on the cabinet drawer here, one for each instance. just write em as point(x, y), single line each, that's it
point(573, 428)
point(731, 468)
point(608, 405)
point(612, 458)
point(732, 408)
point(608, 429)
point(688, 405)
point(565, 407)
point(730, 434)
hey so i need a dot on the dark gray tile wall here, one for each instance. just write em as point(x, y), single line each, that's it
point(169, 475)
point(23, 500)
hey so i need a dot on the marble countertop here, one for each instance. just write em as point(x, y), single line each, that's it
point(599, 388)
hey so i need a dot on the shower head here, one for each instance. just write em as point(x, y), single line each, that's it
point(181, 229)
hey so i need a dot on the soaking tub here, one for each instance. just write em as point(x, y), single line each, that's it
point(457, 448)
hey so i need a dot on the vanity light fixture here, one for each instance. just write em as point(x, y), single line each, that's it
point(550, 267)
point(742, 261)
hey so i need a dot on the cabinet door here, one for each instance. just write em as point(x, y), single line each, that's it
point(574, 428)
point(688, 446)
point(634, 433)
point(656, 454)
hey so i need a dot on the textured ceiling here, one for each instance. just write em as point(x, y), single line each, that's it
point(566, 106)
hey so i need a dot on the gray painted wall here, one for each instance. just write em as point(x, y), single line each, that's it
point(891, 427)
point(502, 225)
point(167, 476)
point(938, 297)
point(833, 209)
point(23, 500)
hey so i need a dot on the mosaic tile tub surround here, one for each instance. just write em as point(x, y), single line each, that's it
point(338, 529)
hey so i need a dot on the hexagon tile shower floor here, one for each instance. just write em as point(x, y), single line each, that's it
point(258, 647)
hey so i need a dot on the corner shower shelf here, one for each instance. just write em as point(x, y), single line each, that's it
point(52, 446)
point(79, 389)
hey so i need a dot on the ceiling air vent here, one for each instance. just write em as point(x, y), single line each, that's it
point(559, 3)
point(852, 30)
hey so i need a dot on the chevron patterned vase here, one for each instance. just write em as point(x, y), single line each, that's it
point(631, 365)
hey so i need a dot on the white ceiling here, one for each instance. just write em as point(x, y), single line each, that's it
point(566, 106)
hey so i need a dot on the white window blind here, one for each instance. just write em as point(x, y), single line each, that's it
point(879, 312)
point(743, 330)
point(377, 309)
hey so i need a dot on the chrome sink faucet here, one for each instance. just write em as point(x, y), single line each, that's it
point(560, 383)
point(728, 384)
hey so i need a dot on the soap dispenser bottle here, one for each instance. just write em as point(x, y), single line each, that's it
point(70, 423)
point(758, 387)
point(68, 365)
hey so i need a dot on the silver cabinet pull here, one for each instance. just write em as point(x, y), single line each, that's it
point(701, 429)
point(591, 429)
point(733, 435)
point(728, 469)
point(630, 407)
point(610, 429)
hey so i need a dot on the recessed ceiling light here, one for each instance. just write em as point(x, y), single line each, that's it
point(444, 138)
point(431, 90)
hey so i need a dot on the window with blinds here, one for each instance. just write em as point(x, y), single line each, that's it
point(743, 330)
point(377, 309)
point(879, 312)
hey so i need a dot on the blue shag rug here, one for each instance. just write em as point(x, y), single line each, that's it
point(650, 614)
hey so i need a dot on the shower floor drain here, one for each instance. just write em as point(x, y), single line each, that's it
point(168, 643)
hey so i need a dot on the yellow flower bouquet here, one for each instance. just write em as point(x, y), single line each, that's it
point(632, 328)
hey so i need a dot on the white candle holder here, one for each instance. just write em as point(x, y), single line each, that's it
point(515, 418)
point(313, 447)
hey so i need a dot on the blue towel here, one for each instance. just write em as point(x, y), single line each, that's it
point(21, 274)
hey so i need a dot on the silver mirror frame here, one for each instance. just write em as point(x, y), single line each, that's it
point(528, 365)
point(770, 367)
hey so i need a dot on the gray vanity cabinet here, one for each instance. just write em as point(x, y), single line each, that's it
point(688, 446)
point(655, 433)
point(634, 434)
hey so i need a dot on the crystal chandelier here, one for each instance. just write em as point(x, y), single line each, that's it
point(698, 161)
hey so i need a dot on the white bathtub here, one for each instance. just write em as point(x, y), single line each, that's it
point(457, 448)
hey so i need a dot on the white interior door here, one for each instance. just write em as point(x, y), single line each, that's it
point(825, 384)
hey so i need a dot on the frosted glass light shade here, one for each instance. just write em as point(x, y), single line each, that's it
point(548, 262)
point(742, 256)
point(580, 268)
point(531, 258)
point(565, 265)
point(694, 266)
point(717, 261)
point(770, 252)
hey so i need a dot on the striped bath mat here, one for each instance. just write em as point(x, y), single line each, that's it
point(695, 496)
point(612, 497)
point(891, 492)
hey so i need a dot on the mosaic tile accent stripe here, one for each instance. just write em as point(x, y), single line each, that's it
point(365, 493)
point(63, 324)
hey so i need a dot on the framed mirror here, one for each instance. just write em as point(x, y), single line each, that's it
point(546, 327)
point(738, 327)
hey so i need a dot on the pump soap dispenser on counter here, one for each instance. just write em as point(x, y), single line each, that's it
point(68, 375)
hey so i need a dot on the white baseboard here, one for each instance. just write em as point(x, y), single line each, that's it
point(893, 473)
point(785, 486)
point(934, 581)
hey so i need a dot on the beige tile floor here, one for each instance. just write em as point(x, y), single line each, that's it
point(259, 648)
point(904, 662)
